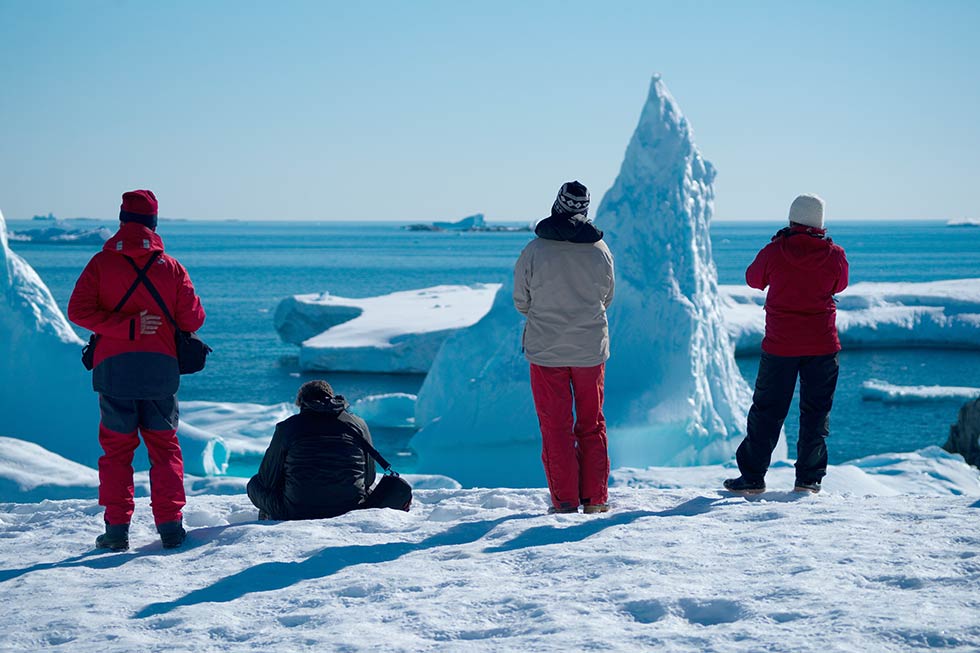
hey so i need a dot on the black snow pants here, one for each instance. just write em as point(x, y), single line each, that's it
point(774, 387)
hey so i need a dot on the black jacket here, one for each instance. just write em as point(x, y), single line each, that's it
point(314, 466)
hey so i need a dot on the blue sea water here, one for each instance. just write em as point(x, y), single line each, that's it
point(243, 269)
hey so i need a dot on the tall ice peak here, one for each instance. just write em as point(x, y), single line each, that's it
point(674, 394)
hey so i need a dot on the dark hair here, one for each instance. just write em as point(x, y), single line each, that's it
point(312, 392)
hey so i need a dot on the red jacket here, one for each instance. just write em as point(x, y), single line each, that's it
point(803, 269)
point(128, 365)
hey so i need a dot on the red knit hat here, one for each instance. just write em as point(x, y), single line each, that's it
point(139, 206)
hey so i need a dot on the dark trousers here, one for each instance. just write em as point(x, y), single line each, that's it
point(774, 388)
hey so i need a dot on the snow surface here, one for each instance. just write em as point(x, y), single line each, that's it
point(687, 569)
point(398, 332)
point(875, 315)
point(875, 390)
point(47, 395)
point(964, 222)
point(674, 394)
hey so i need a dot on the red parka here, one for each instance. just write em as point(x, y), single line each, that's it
point(803, 270)
point(129, 365)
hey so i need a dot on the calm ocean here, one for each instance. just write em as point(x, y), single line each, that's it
point(243, 269)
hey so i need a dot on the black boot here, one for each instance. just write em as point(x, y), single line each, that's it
point(115, 538)
point(741, 485)
point(172, 534)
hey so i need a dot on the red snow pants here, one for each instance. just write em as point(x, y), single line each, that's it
point(156, 421)
point(574, 446)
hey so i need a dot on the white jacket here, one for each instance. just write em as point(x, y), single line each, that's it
point(564, 289)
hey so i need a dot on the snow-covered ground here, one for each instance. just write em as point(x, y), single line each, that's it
point(486, 570)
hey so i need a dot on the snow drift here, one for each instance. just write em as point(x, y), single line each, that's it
point(47, 395)
point(673, 392)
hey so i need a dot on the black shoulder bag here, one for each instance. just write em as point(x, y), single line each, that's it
point(88, 351)
point(192, 352)
point(392, 491)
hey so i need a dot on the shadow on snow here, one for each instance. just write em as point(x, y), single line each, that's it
point(271, 576)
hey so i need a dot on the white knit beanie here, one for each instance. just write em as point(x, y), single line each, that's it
point(807, 210)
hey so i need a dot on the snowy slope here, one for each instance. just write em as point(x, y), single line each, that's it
point(673, 392)
point(485, 570)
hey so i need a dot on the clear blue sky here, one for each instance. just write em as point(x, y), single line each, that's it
point(434, 110)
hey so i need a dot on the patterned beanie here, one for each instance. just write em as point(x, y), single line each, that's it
point(807, 210)
point(139, 206)
point(572, 198)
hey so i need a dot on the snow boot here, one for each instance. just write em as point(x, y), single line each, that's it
point(172, 534)
point(806, 486)
point(742, 486)
point(115, 538)
point(564, 510)
point(595, 508)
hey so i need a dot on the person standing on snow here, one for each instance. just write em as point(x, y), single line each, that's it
point(803, 269)
point(563, 284)
point(135, 367)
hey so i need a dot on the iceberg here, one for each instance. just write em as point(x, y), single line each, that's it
point(396, 333)
point(674, 394)
point(47, 395)
point(394, 410)
point(875, 390)
point(940, 314)
point(60, 233)
point(470, 222)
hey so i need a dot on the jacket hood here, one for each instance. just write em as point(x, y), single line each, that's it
point(134, 240)
point(805, 247)
point(334, 405)
point(571, 228)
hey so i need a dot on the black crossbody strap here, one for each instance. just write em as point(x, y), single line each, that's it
point(142, 277)
point(385, 465)
point(139, 275)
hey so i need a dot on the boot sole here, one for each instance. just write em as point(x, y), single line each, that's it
point(806, 489)
point(105, 547)
point(746, 493)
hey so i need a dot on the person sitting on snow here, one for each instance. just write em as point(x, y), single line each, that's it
point(315, 466)
point(803, 269)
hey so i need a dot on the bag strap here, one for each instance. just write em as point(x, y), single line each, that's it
point(145, 280)
point(385, 465)
point(139, 275)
